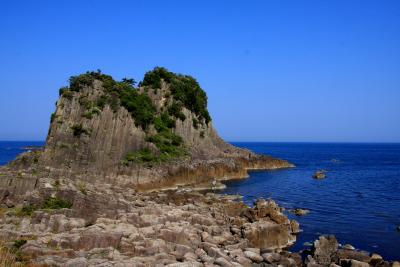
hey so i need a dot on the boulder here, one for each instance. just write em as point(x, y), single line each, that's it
point(325, 249)
point(253, 256)
point(268, 235)
point(319, 174)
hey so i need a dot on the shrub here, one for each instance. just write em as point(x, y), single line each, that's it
point(140, 107)
point(175, 109)
point(78, 130)
point(54, 203)
point(65, 92)
point(143, 155)
point(153, 78)
point(184, 89)
point(25, 211)
point(169, 144)
point(19, 243)
point(53, 117)
point(10, 257)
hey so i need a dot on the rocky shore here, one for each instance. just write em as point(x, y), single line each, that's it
point(69, 223)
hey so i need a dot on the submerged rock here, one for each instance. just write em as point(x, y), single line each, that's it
point(319, 174)
point(299, 212)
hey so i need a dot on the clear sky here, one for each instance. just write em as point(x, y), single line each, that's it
point(273, 70)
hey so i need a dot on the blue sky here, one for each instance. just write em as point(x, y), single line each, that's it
point(273, 70)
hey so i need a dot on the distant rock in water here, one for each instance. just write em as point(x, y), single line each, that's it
point(319, 174)
point(299, 212)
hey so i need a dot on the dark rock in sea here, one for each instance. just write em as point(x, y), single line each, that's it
point(299, 212)
point(398, 228)
point(319, 174)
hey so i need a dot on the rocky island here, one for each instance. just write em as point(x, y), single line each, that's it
point(115, 186)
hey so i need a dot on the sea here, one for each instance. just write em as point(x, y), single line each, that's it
point(358, 201)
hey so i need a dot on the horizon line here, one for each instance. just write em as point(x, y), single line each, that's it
point(245, 141)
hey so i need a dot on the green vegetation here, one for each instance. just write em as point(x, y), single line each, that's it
point(143, 155)
point(139, 105)
point(169, 144)
point(175, 109)
point(185, 90)
point(78, 130)
point(195, 123)
point(53, 117)
point(51, 203)
point(54, 203)
point(25, 211)
point(66, 92)
point(82, 187)
point(19, 243)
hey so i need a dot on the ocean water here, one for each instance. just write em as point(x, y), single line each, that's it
point(10, 149)
point(358, 201)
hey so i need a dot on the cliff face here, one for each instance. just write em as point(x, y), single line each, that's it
point(156, 135)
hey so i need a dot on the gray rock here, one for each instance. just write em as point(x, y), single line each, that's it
point(78, 262)
point(348, 246)
point(253, 256)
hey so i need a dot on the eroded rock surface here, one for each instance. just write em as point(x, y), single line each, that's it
point(112, 226)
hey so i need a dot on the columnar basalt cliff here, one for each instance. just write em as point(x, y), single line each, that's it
point(156, 135)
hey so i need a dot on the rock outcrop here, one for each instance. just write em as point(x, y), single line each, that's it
point(326, 251)
point(67, 223)
point(153, 136)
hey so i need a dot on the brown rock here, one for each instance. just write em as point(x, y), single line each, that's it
point(253, 256)
point(325, 249)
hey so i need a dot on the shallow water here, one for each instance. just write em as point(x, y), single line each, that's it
point(10, 149)
point(358, 202)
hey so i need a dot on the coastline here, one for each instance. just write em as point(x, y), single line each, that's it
point(186, 227)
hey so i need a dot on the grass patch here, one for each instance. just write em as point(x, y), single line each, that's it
point(10, 257)
point(141, 156)
point(25, 211)
point(54, 203)
point(82, 187)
